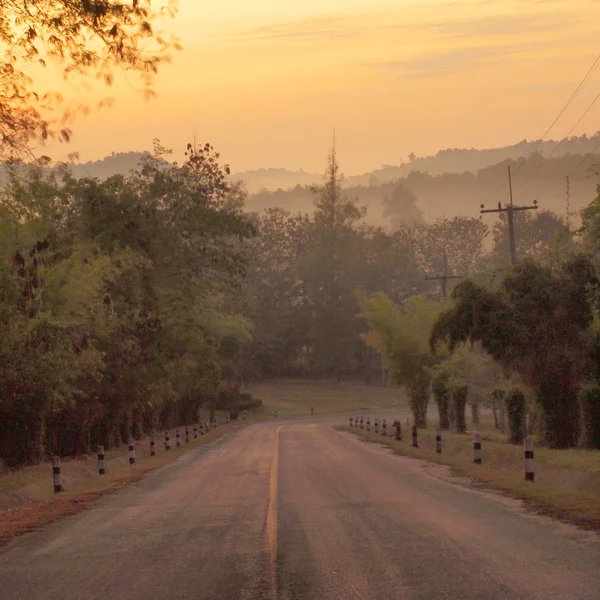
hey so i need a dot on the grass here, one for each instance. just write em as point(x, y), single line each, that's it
point(35, 515)
point(567, 482)
point(294, 398)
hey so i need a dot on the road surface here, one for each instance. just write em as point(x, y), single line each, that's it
point(299, 511)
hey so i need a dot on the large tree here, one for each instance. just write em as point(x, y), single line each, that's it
point(400, 333)
point(537, 323)
point(328, 272)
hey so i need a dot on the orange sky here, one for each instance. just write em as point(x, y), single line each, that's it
point(266, 81)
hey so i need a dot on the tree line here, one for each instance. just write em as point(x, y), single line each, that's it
point(129, 303)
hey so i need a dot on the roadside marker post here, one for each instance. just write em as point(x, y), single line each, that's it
point(477, 448)
point(415, 437)
point(376, 425)
point(177, 438)
point(384, 430)
point(57, 475)
point(167, 441)
point(362, 422)
point(187, 435)
point(312, 410)
point(368, 423)
point(131, 445)
point(529, 461)
point(195, 431)
point(245, 414)
point(101, 469)
point(438, 441)
point(152, 444)
point(351, 422)
point(398, 430)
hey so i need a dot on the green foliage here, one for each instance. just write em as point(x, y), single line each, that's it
point(400, 334)
point(113, 316)
point(589, 397)
point(534, 325)
point(515, 405)
point(442, 395)
point(459, 404)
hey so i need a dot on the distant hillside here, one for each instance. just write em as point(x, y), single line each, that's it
point(451, 160)
point(456, 160)
point(275, 179)
point(116, 163)
point(452, 194)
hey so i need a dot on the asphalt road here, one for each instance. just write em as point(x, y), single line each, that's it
point(301, 511)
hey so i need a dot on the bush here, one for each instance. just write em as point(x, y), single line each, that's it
point(515, 407)
point(441, 393)
point(247, 401)
point(459, 401)
point(589, 399)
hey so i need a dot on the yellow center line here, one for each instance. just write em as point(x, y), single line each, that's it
point(271, 530)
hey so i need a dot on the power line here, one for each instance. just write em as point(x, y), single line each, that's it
point(560, 114)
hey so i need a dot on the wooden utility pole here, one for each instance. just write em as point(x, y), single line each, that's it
point(444, 277)
point(510, 213)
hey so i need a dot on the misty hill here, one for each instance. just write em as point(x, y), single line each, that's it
point(453, 194)
point(275, 179)
point(451, 160)
point(457, 160)
point(115, 164)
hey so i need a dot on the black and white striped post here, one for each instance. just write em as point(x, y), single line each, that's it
point(167, 441)
point(275, 413)
point(438, 441)
point(101, 469)
point(415, 437)
point(187, 435)
point(395, 403)
point(376, 425)
point(368, 423)
point(177, 438)
point(153, 444)
point(195, 431)
point(477, 448)
point(384, 430)
point(245, 414)
point(350, 420)
point(56, 475)
point(131, 445)
point(362, 422)
point(529, 462)
point(398, 430)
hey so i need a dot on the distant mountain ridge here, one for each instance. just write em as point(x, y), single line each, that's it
point(450, 160)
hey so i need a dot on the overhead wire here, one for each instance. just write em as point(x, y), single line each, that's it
point(582, 83)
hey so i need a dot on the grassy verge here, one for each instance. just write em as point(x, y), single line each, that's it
point(294, 398)
point(567, 483)
point(32, 516)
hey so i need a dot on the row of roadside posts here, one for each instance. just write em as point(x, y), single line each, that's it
point(197, 427)
point(380, 425)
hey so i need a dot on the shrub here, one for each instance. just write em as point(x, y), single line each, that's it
point(441, 393)
point(459, 401)
point(515, 406)
point(589, 399)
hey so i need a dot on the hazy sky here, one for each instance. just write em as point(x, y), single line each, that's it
point(266, 81)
